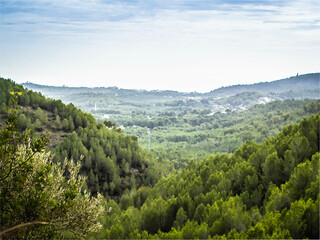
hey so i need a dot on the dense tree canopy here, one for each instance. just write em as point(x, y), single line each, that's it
point(269, 190)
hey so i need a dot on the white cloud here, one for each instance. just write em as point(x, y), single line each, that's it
point(141, 45)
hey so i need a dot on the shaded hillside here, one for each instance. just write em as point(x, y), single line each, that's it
point(112, 161)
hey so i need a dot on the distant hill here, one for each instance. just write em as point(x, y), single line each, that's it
point(306, 81)
point(118, 105)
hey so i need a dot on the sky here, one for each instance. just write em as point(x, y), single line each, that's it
point(179, 45)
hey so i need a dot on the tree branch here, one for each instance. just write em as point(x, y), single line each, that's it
point(21, 226)
point(18, 166)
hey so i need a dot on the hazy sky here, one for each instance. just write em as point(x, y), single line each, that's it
point(180, 45)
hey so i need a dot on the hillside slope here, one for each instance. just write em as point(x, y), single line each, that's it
point(268, 190)
point(113, 162)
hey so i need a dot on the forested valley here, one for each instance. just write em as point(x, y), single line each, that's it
point(186, 169)
point(178, 126)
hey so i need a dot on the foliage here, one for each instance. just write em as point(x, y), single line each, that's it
point(257, 187)
point(268, 190)
point(39, 199)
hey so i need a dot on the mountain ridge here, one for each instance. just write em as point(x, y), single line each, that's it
point(300, 80)
point(307, 81)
